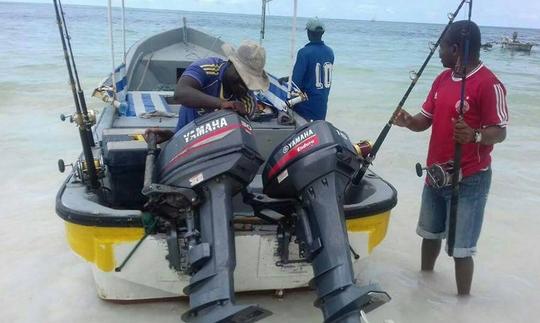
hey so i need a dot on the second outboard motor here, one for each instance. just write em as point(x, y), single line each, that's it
point(202, 167)
point(315, 165)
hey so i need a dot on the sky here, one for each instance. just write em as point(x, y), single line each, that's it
point(506, 13)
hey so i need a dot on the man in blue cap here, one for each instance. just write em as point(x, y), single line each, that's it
point(313, 72)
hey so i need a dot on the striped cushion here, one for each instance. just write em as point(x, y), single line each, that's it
point(121, 82)
point(143, 103)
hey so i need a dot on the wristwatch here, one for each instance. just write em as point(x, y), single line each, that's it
point(477, 136)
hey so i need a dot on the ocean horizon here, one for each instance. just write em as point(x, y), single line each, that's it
point(269, 15)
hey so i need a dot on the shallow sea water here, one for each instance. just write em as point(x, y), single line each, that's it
point(42, 281)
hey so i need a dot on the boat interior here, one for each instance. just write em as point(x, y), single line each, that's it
point(153, 66)
point(157, 62)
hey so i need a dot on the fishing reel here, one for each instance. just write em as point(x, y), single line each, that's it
point(363, 148)
point(296, 97)
point(80, 170)
point(284, 116)
point(438, 175)
point(78, 118)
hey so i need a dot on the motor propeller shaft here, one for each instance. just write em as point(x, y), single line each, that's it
point(213, 260)
point(339, 298)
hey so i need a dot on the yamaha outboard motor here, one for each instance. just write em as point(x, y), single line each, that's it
point(202, 167)
point(315, 165)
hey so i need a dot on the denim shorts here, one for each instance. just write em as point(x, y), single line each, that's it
point(435, 211)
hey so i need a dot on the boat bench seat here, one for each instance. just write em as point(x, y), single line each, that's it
point(149, 104)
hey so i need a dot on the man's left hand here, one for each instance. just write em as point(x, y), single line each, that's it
point(463, 134)
point(236, 106)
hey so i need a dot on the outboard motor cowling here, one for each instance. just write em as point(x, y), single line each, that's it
point(315, 165)
point(208, 162)
point(314, 150)
point(217, 143)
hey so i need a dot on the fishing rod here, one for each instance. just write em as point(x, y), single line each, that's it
point(80, 92)
point(415, 76)
point(81, 118)
point(454, 202)
point(263, 20)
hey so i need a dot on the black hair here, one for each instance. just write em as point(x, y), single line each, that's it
point(456, 31)
point(315, 35)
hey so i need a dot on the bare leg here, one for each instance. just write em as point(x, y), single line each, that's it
point(430, 251)
point(464, 273)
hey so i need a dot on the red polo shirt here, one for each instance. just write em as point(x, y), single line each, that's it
point(485, 106)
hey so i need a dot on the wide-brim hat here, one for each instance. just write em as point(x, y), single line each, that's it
point(249, 60)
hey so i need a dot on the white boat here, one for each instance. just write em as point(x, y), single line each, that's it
point(515, 45)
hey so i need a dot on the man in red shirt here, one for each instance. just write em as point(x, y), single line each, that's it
point(485, 116)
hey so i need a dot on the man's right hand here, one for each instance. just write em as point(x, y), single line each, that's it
point(236, 106)
point(402, 119)
point(162, 135)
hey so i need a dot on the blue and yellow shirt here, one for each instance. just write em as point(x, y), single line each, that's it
point(208, 72)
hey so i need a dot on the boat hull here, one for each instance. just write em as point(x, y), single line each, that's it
point(147, 275)
point(104, 237)
point(523, 47)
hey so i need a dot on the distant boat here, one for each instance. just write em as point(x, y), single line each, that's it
point(525, 47)
point(514, 44)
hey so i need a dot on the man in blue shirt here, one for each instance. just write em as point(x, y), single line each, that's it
point(212, 83)
point(313, 72)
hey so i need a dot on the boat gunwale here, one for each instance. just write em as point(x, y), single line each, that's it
point(75, 216)
point(94, 219)
point(375, 208)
